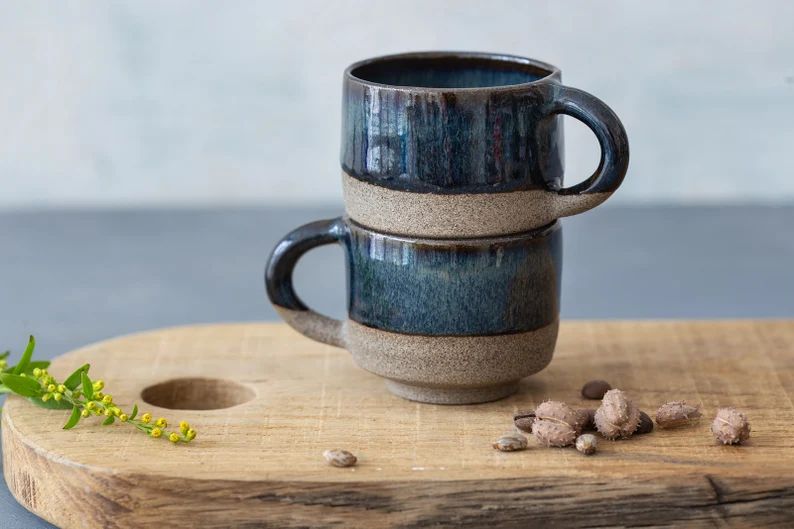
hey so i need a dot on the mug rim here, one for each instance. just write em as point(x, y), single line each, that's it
point(535, 233)
point(545, 70)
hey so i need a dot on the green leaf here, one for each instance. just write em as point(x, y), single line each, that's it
point(25, 360)
point(4, 355)
point(74, 418)
point(27, 387)
point(51, 404)
point(75, 378)
point(88, 386)
point(134, 411)
point(41, 364)
point(109, 420)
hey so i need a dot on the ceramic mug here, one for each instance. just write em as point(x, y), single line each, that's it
point(448, 321)
point(446, 144)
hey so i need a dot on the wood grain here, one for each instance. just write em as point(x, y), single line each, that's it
point(259, 463)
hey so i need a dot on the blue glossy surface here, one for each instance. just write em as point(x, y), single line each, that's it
point(484, 138)
point(475, 287)
point(447, 122)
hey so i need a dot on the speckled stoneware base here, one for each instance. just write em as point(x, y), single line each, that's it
point(445, 321)
point(450, 369)
point(458, 215)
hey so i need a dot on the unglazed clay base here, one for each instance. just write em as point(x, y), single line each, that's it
point(451, 396)
point(458, 215)
point(451, 369)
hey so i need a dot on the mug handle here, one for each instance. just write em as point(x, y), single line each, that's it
point(278, 280)
point(611, 136)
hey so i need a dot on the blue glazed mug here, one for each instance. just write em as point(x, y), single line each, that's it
point(462, 144)
point(449, 321)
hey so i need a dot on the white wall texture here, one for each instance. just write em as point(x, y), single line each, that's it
point(107, 103)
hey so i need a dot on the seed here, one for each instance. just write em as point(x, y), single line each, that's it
point(595, 389)
point(646, 424)
point(617, 417)
point(511, 442)
point(552, 409)
point(676, 413)
point(587, 444)
point(340, 458)
point(730, 426)
point(523, 420)
point(553, 432)
point(587, 419)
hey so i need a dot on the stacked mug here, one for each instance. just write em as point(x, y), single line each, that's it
point(452, 171)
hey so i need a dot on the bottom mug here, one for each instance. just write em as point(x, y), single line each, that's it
point(446, 321)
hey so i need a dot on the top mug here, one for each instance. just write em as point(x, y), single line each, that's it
point(449, 144)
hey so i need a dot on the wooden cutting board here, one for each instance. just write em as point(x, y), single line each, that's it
point(259, 463)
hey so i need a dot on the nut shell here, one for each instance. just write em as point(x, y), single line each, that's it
point(511, 443)
point(617, 417)
point(552, 409)
point(340, 458)
point(676, 413)
point(553, 432)
point(730, 426)
point(587, 444)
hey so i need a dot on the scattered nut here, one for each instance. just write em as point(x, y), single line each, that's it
point(730, 426)
point(561, 412)
point(340, 458)
point(587, 444)
point(676, 413)
point(587, 419)
point(617, 417)
point(646, 424)
point(553, 432)
point(511, 442)
point(523, 420)
point(595, 389)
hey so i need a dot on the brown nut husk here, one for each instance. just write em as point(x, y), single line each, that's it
point(676, 413)
point(553, 432)
point(559, 411)
point(646, 424)
point(587, 419)
point(617, 417)
point(339, 458)
point(523, 420)
point(511, 442)
point(587, 444)
point(730, 426)
point(595, 389)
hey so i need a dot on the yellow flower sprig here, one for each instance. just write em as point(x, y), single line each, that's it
point(80, 394)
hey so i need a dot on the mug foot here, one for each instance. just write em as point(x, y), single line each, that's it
point(451, 395)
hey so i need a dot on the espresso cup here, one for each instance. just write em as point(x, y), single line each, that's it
point(448, 321)
point(447, 144)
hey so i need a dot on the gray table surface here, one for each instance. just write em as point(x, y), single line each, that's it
point(76, 277)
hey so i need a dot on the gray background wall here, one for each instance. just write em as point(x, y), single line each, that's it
point(237, 102)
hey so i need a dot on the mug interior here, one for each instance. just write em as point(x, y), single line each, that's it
point(450, 70)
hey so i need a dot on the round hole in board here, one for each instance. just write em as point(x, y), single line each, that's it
point(197, 394)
